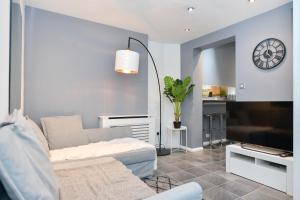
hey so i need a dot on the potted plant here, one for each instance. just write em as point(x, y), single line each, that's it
point(176, 91)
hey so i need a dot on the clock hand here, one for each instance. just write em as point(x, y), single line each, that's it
point(267, 53)
point(268, 45)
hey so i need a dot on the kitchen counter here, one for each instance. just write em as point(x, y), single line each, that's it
point(215, 100)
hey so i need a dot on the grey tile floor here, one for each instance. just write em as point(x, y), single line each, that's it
point(207, 167)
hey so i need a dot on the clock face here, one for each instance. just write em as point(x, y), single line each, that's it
point(268, 53)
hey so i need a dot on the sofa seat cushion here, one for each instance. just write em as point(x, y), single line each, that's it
point(102, 178)
point(127, 150)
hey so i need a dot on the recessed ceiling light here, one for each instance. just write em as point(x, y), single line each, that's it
point(251, 1)
point(187, 30)
point(190, 9)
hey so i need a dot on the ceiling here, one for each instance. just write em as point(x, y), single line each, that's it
point(162, 20)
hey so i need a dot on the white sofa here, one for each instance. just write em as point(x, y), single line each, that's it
point(27, 173)
point(69, 141)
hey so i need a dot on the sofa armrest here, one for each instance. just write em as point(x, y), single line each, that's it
point(106, 134)
point(190, 191)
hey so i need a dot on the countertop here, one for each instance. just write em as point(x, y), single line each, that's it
point(216, 99)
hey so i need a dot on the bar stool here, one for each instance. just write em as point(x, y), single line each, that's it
point(222, 127)
point(210, 127)
point(213, 134)
point(211, 130)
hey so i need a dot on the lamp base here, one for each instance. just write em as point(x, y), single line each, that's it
point(163, 151)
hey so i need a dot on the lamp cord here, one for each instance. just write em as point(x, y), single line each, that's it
point(158, 81)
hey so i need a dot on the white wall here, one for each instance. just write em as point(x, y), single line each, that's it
point(4, 57)
point(296, 91)
point(167, 58)
point(218, 65)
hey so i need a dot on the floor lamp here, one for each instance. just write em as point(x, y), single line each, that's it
point(127, 61)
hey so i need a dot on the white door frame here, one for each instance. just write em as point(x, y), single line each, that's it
point(296, 94)
point(4, 57)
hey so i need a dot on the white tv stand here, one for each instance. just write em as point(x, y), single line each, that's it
point(270, 170)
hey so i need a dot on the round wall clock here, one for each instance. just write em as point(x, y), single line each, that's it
point(269, 53)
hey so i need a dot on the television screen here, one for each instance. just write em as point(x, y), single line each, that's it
point(262, 123)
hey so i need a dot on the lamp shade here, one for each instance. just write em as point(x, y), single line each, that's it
point(127, 62)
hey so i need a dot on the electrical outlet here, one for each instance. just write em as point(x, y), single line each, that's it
point(242, 86)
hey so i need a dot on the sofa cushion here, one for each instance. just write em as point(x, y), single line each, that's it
point(64, 131)
point(39, 134)
point(25, 170)
point(18, 119)
point(26, 124)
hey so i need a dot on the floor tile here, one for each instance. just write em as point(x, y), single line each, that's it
point(183, 165)
point(206, 158)
point(168, 159)
point(158, 173)
point(218, 193)
point(204, 184)
point(226, 175)
point(193, 158)
point(183, 156)
point(195, 162)
point(160, 162)
point(181, 175)
point(257, 195)
point(274, 193)
point(239, 189)
point(222, 163)
point(213, 167)
point(167, 168)
point(248, 182)
point(214, 179)
point(197, 171)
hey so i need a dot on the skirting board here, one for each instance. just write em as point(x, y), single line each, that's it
point(191, 149)
point(214, 142)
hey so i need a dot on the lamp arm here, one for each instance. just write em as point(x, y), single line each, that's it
point(158, 81)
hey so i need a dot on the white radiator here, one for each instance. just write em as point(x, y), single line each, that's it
point(143, 126)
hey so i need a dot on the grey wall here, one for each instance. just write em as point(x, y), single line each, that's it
point(218, 65)
point(275, 85)
point(69, 69)
point(15, 57)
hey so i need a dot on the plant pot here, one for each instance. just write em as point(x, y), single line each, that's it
point(177, 124)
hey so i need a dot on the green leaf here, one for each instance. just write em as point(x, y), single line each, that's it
point(187, 81)
point(169, 81)
point(190, 89)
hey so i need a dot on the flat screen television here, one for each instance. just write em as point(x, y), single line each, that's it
point(267, 124)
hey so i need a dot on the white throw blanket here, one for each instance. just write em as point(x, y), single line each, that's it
point(100, 179)
point(99, 149)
